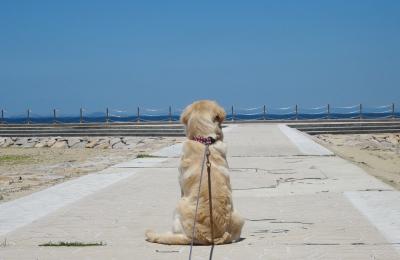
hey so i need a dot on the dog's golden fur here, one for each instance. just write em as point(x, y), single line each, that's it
point(203, 118)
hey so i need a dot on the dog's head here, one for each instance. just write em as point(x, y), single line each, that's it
point(203, 118)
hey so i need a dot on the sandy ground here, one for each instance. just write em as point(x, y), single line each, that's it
point(26, 170)
point(377, 154)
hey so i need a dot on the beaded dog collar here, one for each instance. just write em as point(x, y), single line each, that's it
point(204, 140)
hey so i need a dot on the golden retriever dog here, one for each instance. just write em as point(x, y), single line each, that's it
point(203, 119)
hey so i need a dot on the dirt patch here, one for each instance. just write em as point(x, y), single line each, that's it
point(26, 170)
point(377, 154)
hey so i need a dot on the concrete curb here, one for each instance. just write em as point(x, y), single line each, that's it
point(303, 142)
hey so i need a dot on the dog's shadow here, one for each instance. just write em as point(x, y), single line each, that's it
point(233, 242)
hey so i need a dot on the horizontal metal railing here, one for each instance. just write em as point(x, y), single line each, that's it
point(234, 113)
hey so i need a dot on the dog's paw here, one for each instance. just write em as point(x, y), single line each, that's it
point(150, 234)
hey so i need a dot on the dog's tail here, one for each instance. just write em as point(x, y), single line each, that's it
point(167, 238)
point(225, 239)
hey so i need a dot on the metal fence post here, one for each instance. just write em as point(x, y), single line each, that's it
point(107, 118)
point(265, 113)
point(328, 116)
point(138, 114)
point(81, 116)
point(361, 111)
point(28, 116)
point(170, 114)
point(297, 115)
point(54, 116)
point(233, 116)
point(393, 114)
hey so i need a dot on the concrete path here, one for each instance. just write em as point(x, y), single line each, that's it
point(300, 202)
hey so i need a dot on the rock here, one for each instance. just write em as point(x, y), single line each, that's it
point(103, 145)
point(91, 144)
point(29, 142)
point(73, 141)
point(28, 145)
point(114, 141)
point(60, 144)
point(18, 140)
point(119, 145)
point(2, 140)
point(41, 144)
point(130, 146)
point(81, 144)
point(394, 139)
point(141, 141)
point(51, 141)
point(21, 142)
point(33, 140)
point(132, 140)
point(85, 139)
point(42, 139)
point(7, 142)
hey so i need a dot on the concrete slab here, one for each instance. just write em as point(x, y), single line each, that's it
point(283, 176)
point(25, 210)
point(259, 140)
point(140, 163)
point(170, 151)
point(112, 216)
point(382, 209)
point(40, 204)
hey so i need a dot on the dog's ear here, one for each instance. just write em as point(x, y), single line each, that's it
point(220, 114)
point(186, 115)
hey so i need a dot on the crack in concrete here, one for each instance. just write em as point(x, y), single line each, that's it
point(343, 244)
point(167, 251)
point(261, 219)
point(284, 156)
point(376, 190)
point(280, 181)
point(257, 188)
point(321, 244)
point(301, 179)
point(275, 221)
point(275, 231)
point(292, 222)
point(270, 171)
point(294, 161)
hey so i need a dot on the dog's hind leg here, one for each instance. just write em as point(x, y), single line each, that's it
point(168, 238)
point(236, 226)
point(177, 225)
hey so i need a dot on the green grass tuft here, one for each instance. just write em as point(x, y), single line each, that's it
point(145, 155)
point(8, 159)
point(75, 243)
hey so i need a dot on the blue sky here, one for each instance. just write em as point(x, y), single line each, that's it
point(122, 54)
